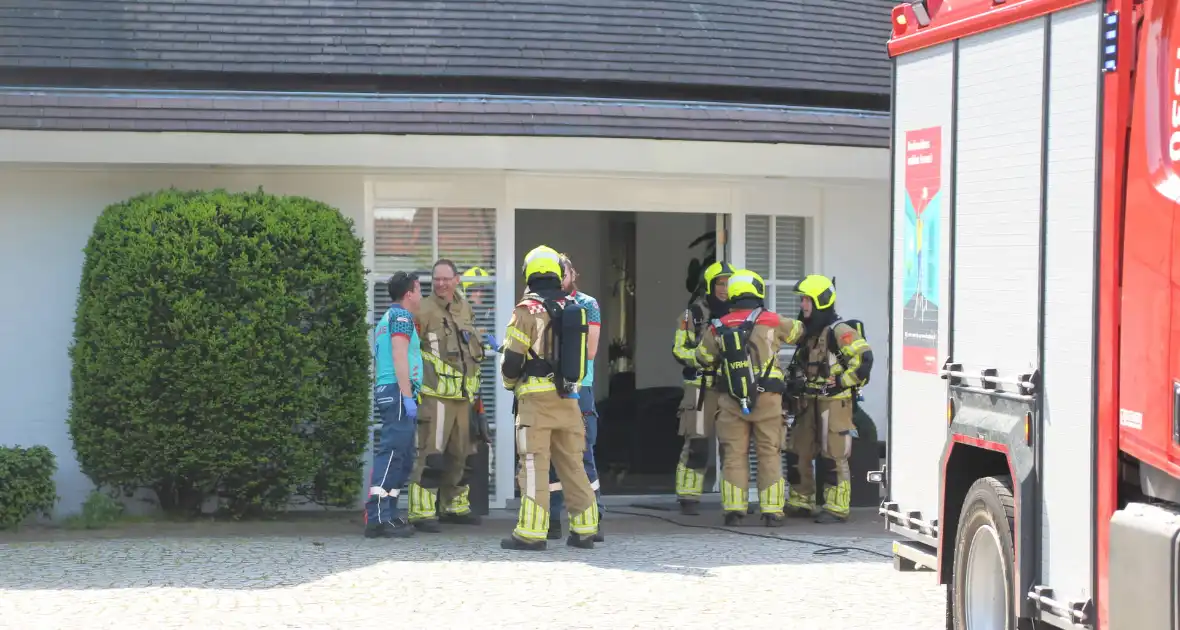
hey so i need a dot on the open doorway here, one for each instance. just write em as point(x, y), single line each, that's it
point(638, 266)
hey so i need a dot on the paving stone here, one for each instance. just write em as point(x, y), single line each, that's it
point(666, 578)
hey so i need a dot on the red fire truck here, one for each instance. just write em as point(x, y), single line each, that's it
point(1034, 394)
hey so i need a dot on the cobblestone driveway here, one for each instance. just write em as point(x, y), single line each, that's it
point(665, 577)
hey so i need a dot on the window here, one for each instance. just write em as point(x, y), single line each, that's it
point(775, 250)
point(411, 239)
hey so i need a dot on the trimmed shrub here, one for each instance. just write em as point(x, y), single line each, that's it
point(98, 511)
point(221, 349)
point(26, 484)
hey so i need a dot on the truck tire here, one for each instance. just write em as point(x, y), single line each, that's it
point(982, 581)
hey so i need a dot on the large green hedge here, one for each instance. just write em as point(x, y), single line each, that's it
point(221, 349)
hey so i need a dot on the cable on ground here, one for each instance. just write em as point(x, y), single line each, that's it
point(823, 550)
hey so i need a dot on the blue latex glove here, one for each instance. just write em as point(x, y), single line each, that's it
point(411, 406)
point(490, 340)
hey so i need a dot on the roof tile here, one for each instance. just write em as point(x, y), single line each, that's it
point(132, 110)
point(833, 45)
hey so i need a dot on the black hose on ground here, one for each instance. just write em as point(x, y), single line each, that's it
point(823, 549)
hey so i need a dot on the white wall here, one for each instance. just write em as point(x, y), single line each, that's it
point(45, 220)
point(855, 237)
point(661, 262)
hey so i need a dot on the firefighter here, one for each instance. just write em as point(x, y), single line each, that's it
point(698, 407)
point(836, 361)
point(472, 290)
point(542, 364)
point(451, 353)
point(478, 299)
point(569, 283)
point(743, 347)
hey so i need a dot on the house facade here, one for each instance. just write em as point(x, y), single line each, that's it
point(467, 130)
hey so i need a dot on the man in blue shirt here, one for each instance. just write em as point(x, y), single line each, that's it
point(585, 402)
point(398, 356)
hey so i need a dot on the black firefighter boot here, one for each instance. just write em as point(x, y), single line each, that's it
point(515, 544)
point(427, 525)
point(734, 519)
point(826, 517)
point(580, 541)
point(467, 518)
point(398, 528)
point(690, 507)
point(800, 512)
point(773, 520)
point(555, 531)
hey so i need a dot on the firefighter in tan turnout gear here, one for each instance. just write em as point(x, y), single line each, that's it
point(698, 408)
point(543, 363)
point(743, 347)
point(451, 353)
point(835, 361)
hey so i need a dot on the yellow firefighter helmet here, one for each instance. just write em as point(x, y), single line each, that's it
point(819, 288)
point(474, 272)
point(540, 261)
point(744, 283)
point(716, 270)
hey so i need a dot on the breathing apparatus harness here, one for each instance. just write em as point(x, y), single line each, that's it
point(797, 380)
point(815, 326)
point(695, 315)
point(737, 365)
point(564, 342)
point(700, 320)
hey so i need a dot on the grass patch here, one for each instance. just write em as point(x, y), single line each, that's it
point(100, 511)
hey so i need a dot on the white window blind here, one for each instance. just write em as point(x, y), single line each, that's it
point(411, 239)
point(775, 250)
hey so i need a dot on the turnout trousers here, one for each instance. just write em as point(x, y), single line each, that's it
point(590, 420)
point(698, 427)
point(823, 427)
point(765, 426)
point(439, 479)
point(549, 429)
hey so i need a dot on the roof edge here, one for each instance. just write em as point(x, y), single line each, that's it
point(132, 93)
point(258, 112)
point(817, 96)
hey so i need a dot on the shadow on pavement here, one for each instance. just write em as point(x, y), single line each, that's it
point(301, 550)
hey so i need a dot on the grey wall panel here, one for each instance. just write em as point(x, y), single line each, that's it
point(924, 101)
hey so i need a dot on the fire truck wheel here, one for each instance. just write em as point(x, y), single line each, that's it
point(982, 585)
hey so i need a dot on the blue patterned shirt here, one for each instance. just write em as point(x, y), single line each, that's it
point(594, 318)
point(397, 321)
